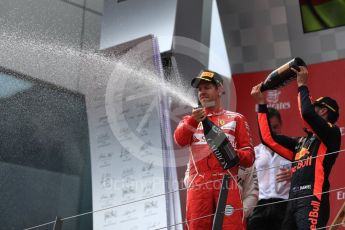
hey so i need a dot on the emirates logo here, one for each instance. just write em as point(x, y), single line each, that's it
point(273, 100)
point(273, 96)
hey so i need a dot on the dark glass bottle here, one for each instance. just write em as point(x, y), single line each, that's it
point(220, 144)
point(283, 75)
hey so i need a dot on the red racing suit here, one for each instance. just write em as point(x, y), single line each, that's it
point(206, 172)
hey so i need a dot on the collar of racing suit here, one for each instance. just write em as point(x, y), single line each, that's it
point(308, 132)
point(211, 112)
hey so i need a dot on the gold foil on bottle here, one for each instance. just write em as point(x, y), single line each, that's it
point(283, 68)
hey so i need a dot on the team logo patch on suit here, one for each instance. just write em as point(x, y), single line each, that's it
point(231, 125)
point(229, 210)
point(303, 152)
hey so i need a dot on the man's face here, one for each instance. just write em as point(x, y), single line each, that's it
point(207, 93)
point(321, 111)
point(276, 126)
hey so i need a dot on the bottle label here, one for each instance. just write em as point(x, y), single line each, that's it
point(216, 130)
point(282, 68)
point(218, 154)
point(219, 144)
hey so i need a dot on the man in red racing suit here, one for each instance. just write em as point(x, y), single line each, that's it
point(313, 156)
point(205, 170)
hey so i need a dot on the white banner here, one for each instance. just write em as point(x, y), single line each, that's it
point(129, 180)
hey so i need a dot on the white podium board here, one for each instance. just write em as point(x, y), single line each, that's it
point(130, 142)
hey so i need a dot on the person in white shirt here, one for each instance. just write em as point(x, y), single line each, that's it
point(274, 183)
point(248, 184)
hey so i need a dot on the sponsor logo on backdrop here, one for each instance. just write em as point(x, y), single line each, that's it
point(340, 195)
point(342, 131)
point(272, 99)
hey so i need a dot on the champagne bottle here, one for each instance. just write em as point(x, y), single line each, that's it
point(283, 75)
point(220, 144)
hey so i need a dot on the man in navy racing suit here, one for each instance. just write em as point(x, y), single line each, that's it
point(312, 167)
